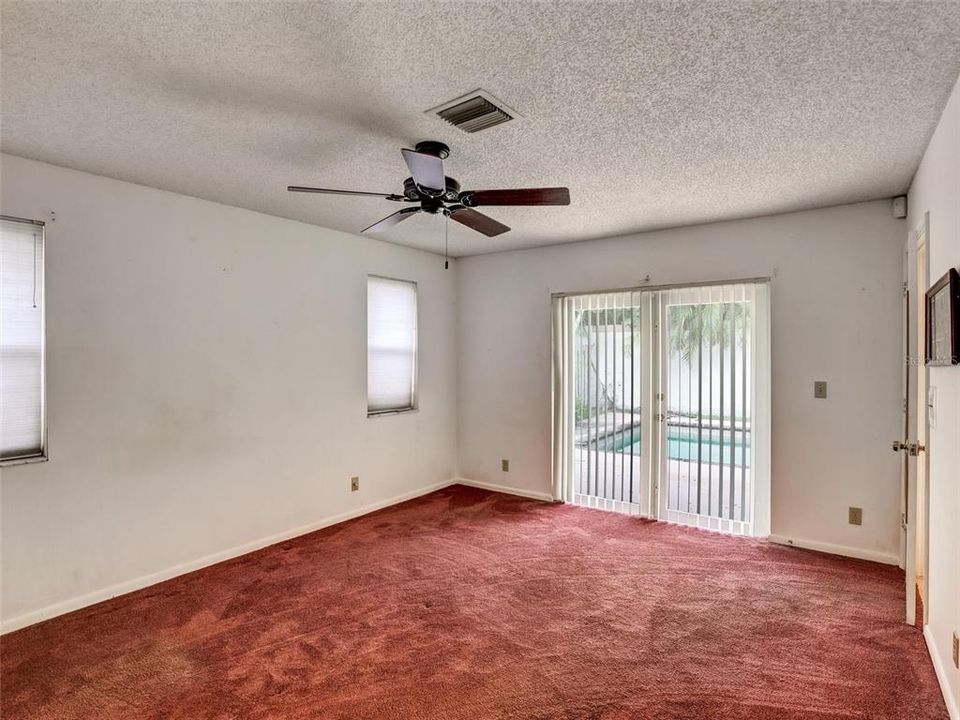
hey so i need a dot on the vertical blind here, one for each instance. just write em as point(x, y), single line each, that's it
point(391, 345)
point(597, 387)
point(707, 386)
point(607, 397)
point(661, 403)
point(21, 340)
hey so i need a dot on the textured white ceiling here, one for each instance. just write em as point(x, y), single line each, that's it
point(654, 114)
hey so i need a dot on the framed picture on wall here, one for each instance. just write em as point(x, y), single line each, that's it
point(943, 320)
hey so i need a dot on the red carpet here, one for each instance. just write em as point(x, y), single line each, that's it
point(468, 604)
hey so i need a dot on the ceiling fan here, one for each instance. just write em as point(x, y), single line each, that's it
point(435, 193)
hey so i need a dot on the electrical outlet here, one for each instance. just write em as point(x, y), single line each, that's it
point(855, 515)
point(505, 465)
point(820, 388)
point(354, 484)
point(956, 650)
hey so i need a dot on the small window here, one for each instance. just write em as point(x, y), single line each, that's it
point(391, 345)
point(22, 421)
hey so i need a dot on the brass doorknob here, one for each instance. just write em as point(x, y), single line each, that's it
point(913, 449)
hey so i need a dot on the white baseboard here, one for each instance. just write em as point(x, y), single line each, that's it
point(139, 583)
point(948, 697)
point(845, 550)
point(533, 494)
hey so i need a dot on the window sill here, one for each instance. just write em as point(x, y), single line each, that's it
point(387, 413)
point(24, 461)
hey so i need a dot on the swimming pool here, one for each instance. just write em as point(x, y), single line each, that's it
point(687, 444)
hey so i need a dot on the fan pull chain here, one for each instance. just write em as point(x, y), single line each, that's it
point(446, 241)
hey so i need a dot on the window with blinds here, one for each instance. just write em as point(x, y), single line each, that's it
point(22, 435)
point(391, 345)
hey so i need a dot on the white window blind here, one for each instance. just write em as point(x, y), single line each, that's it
point(21, 340)
point(391, 345)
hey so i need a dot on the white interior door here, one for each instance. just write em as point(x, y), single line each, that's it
point(907, 401)
point(915, 503)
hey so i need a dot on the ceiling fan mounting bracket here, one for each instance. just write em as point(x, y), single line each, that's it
point(433, 147)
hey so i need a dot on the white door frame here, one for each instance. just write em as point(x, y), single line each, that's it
point(923, 480)
point(915, 538)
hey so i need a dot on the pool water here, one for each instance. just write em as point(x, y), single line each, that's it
point(687, 444)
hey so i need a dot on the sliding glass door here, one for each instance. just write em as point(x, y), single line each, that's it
point(665, 404)
point(707, 386)
point(607, 428)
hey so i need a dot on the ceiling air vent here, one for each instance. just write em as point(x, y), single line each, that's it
point(474, 111)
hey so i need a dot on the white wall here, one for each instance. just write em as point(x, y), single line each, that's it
point(207, 381)
point(936, 189)
point(835, 299)
point(207, 386)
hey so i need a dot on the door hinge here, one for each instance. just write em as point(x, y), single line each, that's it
point(905, 287)
point(903, 520)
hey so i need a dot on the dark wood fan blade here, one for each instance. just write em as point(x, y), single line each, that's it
point(327, 191)
point(390, 220)
point(479, 222)
point(529, 196)
point(427, 170)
